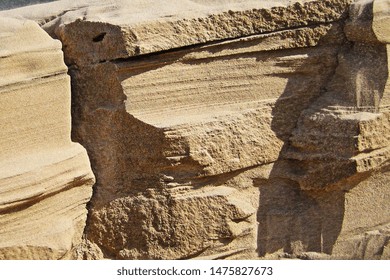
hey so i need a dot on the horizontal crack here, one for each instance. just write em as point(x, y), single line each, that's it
point(220, 179)
point(189, 48)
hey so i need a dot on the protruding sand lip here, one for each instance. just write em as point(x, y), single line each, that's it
point(148, 26)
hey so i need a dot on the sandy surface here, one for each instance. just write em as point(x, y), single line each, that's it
point(133, 11)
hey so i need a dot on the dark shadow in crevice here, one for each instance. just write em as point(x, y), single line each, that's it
point(294, 218)
point(290, 219)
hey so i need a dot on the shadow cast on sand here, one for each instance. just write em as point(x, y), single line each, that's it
point(294, 218)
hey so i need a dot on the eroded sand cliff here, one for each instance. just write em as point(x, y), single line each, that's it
point(215, 129)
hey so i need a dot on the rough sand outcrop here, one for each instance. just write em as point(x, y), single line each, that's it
point(228, 129)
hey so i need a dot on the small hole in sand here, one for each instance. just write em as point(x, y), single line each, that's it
point(99, 37)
